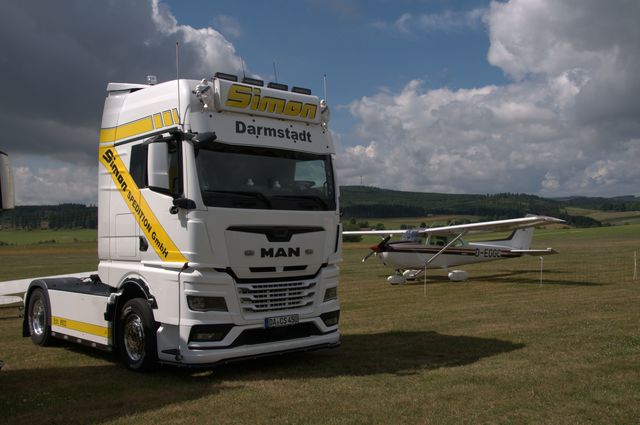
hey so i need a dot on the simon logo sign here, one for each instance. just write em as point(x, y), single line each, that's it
point(253, 99)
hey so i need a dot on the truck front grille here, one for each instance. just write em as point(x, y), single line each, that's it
point(259, 297)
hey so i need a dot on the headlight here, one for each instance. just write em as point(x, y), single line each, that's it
point(206, 303)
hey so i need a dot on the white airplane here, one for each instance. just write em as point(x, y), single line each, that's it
point(444, 247)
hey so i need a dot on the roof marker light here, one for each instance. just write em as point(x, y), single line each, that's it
point(278, 86)
point(301, 90)
point(224, 76)
point(253, 81)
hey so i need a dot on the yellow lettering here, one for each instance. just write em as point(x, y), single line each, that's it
point(238, 96)
point(256, 98)
point(244, 97)
point(272, 104)
point(308, 111)
point(293, 108)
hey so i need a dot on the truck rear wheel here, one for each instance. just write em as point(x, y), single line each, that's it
point(137, 335)
point(39, 318)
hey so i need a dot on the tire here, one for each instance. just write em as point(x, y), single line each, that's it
point(137, 336)
point(39, 318)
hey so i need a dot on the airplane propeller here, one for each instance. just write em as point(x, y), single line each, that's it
point(377, 248)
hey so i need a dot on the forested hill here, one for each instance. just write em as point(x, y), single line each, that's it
point(370, 202)
point(618, 203)
point(361, 201)
point(365, 202)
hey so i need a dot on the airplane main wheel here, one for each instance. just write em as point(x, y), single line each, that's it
point(39, 318)
point(396, 279)
point(137, 336)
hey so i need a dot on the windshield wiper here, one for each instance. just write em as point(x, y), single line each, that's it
point(315, 198)
point(256, 195)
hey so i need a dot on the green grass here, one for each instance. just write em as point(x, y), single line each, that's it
point(614, 218)
point(47, 237)
point(24, 262)
point(499, 348)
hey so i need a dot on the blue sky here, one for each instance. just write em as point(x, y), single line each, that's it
point(311, 38)
point(464, 96)
point(357, 44)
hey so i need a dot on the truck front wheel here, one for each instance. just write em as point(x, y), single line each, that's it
point(39, 318)
point(137, 335)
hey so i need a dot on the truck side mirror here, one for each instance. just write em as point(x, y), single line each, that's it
point(7, 195)
point(158, 166)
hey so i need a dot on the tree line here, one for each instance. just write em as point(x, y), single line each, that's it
point(370, 202)
point(63, 216)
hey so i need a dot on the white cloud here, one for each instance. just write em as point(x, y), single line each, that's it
point(58, 63)
point(208, 45)
point(228, 25)
point(447, 21)
point(55, 183)
point(569, 123)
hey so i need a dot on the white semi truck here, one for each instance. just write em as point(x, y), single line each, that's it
point(218, 234)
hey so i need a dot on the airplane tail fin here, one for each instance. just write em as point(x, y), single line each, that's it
point(518, 240)
point(521, 238)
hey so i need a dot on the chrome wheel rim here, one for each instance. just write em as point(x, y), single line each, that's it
point(37, 317)
point(134, 337)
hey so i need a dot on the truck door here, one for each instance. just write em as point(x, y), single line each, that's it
point(162, 231)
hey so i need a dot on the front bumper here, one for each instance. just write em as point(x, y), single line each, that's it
point(242, 331)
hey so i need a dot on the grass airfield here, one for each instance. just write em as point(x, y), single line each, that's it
point(499, 348)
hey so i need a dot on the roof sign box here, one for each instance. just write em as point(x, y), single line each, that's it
point(265, 101)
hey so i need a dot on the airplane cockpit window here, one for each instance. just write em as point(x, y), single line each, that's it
point(411, 235)
point(439, 240)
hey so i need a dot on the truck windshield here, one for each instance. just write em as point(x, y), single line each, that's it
point(262, 178)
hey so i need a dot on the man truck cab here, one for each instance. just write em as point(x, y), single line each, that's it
point(218, 234)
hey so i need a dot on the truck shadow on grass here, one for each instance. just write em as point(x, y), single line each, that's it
point(107, 391)
point(396, 353)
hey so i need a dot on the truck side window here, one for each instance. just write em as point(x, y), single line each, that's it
point(138, 165)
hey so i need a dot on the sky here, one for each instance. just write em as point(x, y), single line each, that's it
point(469, 96)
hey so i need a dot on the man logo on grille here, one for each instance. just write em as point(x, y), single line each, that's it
point(280, 252)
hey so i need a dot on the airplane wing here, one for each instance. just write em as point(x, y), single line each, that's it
point(483, 226)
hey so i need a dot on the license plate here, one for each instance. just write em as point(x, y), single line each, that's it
point(278, 322)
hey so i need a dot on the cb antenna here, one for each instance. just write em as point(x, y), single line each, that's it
point(178, 78)
point(275, 72)
point(324, 87)
point(242, 62)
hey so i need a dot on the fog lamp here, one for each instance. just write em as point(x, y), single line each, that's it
point(205, 333)
point(331, 319)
